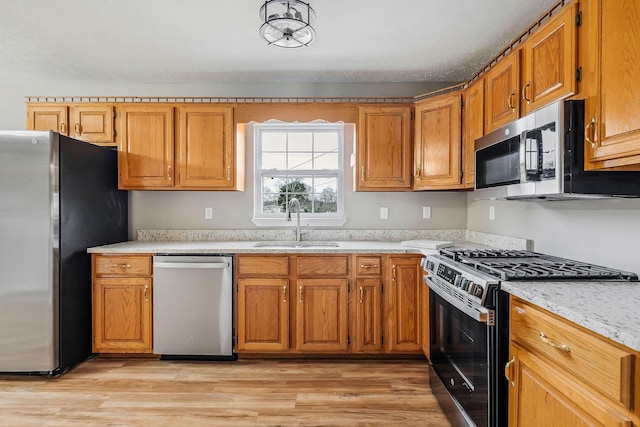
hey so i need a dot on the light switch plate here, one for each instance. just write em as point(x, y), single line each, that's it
point(208, 213)
point(492, 213)
point(384, 213)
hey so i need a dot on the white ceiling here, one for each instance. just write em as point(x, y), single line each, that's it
point(215, 41)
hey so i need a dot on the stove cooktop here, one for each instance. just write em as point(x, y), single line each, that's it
point(526, 265)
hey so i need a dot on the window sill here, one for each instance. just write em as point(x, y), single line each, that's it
point(313, 222)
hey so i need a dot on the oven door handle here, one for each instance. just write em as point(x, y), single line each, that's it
point(479, 314)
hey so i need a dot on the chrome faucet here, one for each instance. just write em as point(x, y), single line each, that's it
point(295, 202)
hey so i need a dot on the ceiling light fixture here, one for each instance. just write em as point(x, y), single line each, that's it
point(287, 23)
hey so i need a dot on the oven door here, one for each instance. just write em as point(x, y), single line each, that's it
point(460, 357)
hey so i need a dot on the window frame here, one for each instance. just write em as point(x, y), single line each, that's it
point(312, 219)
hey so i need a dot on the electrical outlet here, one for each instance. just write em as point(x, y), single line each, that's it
point(492, 213)
point(208, 213)
point(426, 212)
point(384, 213)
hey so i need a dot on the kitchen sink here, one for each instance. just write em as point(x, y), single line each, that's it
point(291, 244)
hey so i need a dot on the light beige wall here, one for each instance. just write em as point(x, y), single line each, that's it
point(604, 232)
point(233, 210)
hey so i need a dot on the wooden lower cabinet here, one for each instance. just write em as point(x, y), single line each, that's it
point(328, 304)
point(403, 331)
point(263, 315)
point(321, 315)
point(367, 303)
point(564, 375)
point(542, 395)
point(122, 304)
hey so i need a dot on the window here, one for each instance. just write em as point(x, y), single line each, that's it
point(302, 161)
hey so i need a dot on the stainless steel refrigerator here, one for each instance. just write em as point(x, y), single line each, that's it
point(58, 196)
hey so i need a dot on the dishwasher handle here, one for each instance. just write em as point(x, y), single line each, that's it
point(190, 265)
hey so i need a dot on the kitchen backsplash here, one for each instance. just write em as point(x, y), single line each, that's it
point(493, 240)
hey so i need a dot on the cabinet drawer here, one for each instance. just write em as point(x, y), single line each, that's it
point(607, 367)
point(123, 265)
point(323, 265)
point(368, 265)
point(263, 265)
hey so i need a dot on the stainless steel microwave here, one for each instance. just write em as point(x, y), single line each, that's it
point(541, 157)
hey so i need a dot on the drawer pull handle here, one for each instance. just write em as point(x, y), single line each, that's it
point(284, 293)
point(146, 296)
point(300, 292)
point(393, 273)
point(121, 265)
point(368, 266)
point(546, 340)
point(361, 295)
point(77, 130)
point(524, 93)
point(508, 371)
point(63, 128)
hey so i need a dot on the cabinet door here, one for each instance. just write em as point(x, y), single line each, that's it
point(501, 92)
point(93, 123)
point(206, 147)
point(122, 315)
point(321, 315)
point(47, 117)
point(437, 143)
point(145, 147)
point(549, 59)
point(383, 148)
point(263, 315)
point(368, 316)
point(542, 395)
point(612, 98)
point(472, 129)
point(402, 306)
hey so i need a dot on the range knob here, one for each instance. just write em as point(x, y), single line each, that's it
point(468, 285)
point(464, 284)
point(430, 265)
point(477, 291)
point(456, 280)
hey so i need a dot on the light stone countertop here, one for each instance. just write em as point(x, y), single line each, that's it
point(237, 247)
point(607, 308)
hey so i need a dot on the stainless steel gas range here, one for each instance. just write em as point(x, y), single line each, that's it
point(469, 320)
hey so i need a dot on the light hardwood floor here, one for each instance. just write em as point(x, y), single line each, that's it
point(114, 392)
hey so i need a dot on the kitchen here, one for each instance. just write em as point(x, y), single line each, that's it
point(597, 231)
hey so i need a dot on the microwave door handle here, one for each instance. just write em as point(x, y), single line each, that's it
point(523, 157)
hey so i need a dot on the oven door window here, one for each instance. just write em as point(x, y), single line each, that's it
point(459, 354)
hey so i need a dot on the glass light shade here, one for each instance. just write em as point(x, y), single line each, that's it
point(287, 23)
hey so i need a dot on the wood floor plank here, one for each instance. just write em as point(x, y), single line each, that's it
point(252, 392)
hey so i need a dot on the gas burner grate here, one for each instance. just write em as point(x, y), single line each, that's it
point(527, 265)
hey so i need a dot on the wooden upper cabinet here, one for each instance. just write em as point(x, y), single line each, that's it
point(437, 146)
point(472, 129)
point(48, 117)
point(145, 147)
point(206, 147)
point(611, 67)
point(501, 92)
point(383, 148)
point(549, 59)
point(92, 123)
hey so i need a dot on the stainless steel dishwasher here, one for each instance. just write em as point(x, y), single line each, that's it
point(193, 307)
